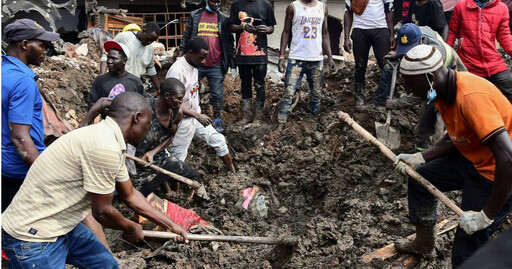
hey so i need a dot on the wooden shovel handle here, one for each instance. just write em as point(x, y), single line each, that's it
point(194, 184)
point(409, 170)
point(292, 240)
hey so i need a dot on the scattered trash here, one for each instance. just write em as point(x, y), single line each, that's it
point(254, 201)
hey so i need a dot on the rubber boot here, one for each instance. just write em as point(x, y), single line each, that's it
point(360, 93)
point(423, 245)
point(228, 162)
point(258, 112)
point(247, 111)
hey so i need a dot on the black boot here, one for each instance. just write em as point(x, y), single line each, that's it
point(423, 245)
point(360, 92)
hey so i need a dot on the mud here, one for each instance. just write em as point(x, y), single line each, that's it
point(338, 193)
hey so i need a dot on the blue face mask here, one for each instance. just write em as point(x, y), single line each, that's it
point(431, 94)
point(210, 9)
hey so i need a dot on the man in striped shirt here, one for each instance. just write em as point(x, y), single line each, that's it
point(76, 174)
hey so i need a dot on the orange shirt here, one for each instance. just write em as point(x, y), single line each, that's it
point(480, 110)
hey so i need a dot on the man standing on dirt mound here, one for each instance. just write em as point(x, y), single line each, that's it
point(141, 59)
point(475, 155)
point(213, 25)
point(22, 116)
point(373, 27)
point(75, 175)
point(195, 124)
point(252, 21)
point(306, 21)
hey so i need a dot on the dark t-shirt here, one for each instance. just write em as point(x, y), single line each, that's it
point(431, 14)
point(251, 48)
point(107, 85)
point(208, 29)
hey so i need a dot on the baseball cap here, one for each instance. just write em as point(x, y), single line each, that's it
point(118, 46)
point(408, 36)
point(26, 29)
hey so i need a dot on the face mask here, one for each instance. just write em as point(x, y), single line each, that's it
point(210, 9)
point(431, 94)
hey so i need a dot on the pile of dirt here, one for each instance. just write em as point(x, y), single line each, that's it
point(336, 191)
point(65, 81)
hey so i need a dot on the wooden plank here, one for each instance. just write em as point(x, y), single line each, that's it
point(390, 250)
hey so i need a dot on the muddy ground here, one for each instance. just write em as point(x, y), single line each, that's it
point(337, 192)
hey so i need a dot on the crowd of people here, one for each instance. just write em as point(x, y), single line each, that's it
point(465, 94)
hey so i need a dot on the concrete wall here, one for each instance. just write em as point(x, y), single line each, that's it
point(336, 9)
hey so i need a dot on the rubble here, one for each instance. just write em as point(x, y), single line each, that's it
point(335, 190)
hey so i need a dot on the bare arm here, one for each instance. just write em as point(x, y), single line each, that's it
point(236, 28)
point(285, 35)
point(442, 148)
point(326, 41)
point(136, 201)
point(95, 110)
point(347, 26)
point(391, 28)
point(501, 147)
point(20, 138)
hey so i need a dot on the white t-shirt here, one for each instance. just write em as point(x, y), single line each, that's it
point(373, 17)
point(187, 74)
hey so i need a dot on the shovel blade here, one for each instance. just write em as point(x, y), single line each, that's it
point(387, 135)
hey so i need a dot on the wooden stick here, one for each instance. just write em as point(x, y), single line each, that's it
point(409, 170)
point(292, 240)
point(390, 250)
point(194, 184)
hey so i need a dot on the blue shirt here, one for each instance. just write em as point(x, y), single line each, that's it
point(21, 104)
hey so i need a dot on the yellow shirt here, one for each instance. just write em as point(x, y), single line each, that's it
point(54, 196)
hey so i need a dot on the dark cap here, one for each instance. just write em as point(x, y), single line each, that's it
point(408, 37)
point(26, 29)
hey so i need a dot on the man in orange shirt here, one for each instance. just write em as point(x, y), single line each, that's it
point(474, 156)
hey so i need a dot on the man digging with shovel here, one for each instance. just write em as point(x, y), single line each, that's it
point(409, 36)
point(475, 155)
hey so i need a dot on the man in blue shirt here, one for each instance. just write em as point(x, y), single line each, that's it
point(22, 116)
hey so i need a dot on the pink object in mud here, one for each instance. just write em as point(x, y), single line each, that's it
point(248, 194)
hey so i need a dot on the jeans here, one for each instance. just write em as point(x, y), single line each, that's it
point(295, 70)
point(247, 74)
point(80, 247)
point(362, 40)
point(384, 85)
point(503, 81)
point(215, 78)
point(10, 187)
point(454, 172)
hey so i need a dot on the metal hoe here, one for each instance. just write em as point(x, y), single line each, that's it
point(386, 134)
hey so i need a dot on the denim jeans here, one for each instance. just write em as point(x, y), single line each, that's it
point(363, 40)
point(454, 172)
point(295, 70)
point(80, 247)
point(503, 81)
point(215, 78)
point(384, 85)
point(247, 74)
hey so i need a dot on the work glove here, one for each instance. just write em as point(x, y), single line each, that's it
point(397, 27)
point(472, 221)
point(233, 74)
point(413, 160)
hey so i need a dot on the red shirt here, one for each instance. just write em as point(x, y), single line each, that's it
point(208, 28)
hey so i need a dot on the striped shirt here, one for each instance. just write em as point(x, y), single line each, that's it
point(54, 196)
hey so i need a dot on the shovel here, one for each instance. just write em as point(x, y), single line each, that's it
point(386, 134)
